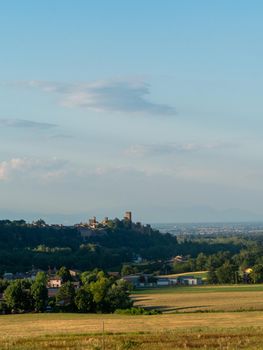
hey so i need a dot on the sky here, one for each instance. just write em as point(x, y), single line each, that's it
point(153, 106)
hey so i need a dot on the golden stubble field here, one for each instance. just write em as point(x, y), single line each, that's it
point(42, 324)
point(217, 300)
point(225, 330)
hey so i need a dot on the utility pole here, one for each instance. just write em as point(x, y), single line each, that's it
point(103, 339)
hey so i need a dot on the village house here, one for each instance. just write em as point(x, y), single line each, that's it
point(54, 282)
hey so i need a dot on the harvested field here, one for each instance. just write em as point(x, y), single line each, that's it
point(189, 299)
point(249, 339)
point(162, 332)
point(42, 324)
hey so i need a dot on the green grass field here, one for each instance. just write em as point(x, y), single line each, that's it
point(191, 328)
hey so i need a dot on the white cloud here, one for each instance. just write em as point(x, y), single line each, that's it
point(11, 166)
point(3, 171)
point(31, 168)
point(53, 169)
point(108, 96)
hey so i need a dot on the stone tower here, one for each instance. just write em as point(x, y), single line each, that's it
point(128, 216)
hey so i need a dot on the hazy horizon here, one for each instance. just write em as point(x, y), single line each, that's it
point(70, 219)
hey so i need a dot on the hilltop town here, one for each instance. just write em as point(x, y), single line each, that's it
point(94, 227)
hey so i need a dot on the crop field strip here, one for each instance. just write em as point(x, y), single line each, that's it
point(43, 324)
point(235, 301)
point(161, 332)
point(249, 339)
point(204, 299)
point(203, 289)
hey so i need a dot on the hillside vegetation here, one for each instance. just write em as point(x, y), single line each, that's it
point(24, 245)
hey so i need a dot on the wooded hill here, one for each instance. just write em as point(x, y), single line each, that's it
point(24, 245)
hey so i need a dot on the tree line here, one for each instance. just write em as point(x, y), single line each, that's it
point(244, 265)
point(98, 292)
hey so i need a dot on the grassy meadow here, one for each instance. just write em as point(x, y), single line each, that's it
point(188, 327)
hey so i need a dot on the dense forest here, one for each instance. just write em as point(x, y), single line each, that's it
point(24, 245)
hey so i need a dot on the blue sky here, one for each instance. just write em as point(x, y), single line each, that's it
point(150, 106)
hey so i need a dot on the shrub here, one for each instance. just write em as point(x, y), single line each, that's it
point(137, 311)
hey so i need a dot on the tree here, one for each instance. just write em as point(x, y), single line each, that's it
point(117, 297)
point(212, 277)
point(3, 285)
point(65, 275)
point(257, 273)
point(99, 290)
point(227, 273)
point(101, 293)
point(65, 296)
point(128, 270)
point(89, 276)
point(39, 222)
point(201, 261)
point(19, 222)
point(17, 296)
point(39, 291)
point(84, 300)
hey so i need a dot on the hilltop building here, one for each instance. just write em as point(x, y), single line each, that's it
point(93, 223)
point(94, 227)
point(128, 216)
point(105, 221)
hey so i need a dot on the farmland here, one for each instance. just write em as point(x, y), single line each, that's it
point(203, 298)
point(186, 328)
point(71, 331)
